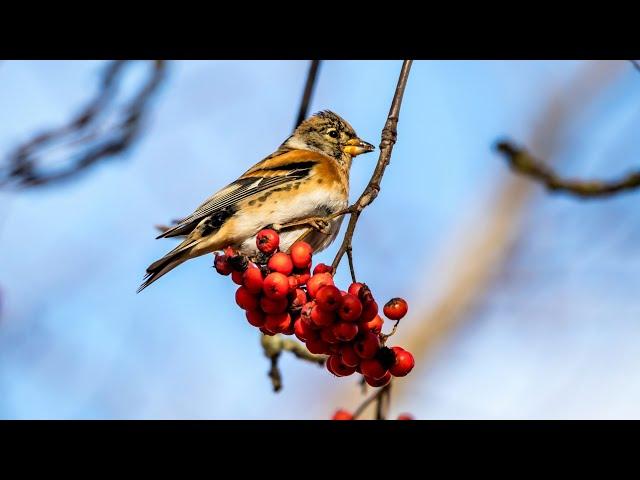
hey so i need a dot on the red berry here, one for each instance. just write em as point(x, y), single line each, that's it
point(267, 332)
point(305, 312)
point(302, 275)
point(245, 299)
point(335, 366)
point(301, 253)
point(329, 298)
point(290, 329)
point(318, 281)
point(267, 241)
point(229, 252)
point(326, 334)
point(395, 309)
point(298, 330)
point(404, 362)
point(374, 326)
point(367, 346)
point(369, 310)
point(237, 278)
point(222, 264)
point(272, 305)
point(252, 279)
point(322, 318)
point(276, 285)
point(380, 382)
point(322, 268)
point(302, 330)
point(349, 356)
point(354, 288)
point(345, 331)
point(317, 346)
point(293, 283)
point(255, 318)
point(277, 322)
point(372, 368)
point(342, 415)
point(298, 298)
point(351, 308)
point(280, 262)
point(405, 416)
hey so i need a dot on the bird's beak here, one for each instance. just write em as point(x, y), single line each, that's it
point(355, 146)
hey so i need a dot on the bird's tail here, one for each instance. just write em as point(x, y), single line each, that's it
point(167, 263)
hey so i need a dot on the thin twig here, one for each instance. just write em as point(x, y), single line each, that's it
point(636, 64)
point(389, 135)
point(475, 255)
point(382, 403)
point(376, 396)
point(274, 345)
point(314, 66)
point(522, 162)
point(391, 333)
point(351, 268)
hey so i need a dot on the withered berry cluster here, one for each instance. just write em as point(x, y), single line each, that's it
point(281, 294)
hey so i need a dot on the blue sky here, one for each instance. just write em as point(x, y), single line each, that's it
point(555, 335)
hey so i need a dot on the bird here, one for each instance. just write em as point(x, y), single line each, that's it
point(307, 177)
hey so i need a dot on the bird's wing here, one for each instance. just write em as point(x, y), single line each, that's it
point(256, 180)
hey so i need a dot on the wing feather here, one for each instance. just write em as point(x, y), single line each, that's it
point(232, 194)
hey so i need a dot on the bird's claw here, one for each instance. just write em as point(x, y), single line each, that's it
point(320, 225)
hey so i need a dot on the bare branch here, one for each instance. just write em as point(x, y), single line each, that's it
point(522, 162)
point(636, 64)
point(379, 397)
point(389, 135)
point(90, 135)
point(274, 345)
point(314, 66)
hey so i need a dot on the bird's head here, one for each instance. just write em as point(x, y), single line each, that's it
point(328, 133)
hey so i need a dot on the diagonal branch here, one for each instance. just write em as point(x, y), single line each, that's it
point(522, 162)
point(389, 135)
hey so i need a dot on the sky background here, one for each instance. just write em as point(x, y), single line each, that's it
point(555, 334)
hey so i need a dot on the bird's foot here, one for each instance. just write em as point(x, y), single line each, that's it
point(321, 224)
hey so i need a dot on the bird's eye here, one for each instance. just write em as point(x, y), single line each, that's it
point(333, 133)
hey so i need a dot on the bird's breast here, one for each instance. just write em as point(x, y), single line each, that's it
point(309, 198)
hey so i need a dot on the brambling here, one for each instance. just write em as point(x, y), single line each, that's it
point(306, 177)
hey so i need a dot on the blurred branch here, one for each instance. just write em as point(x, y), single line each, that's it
point(381, 398)
point(89, 134)
point(473, 255)
point(274, 345)
point(636, 64)
point(389, 135)
point(314, 66)
point(523, 163)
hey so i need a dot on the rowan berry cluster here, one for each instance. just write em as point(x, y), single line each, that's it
point(281, 294)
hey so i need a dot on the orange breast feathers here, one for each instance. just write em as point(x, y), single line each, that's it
point(324, 168)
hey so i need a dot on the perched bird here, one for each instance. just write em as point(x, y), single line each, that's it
point(306, 177)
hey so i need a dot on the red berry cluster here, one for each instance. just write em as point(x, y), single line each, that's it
point(281, 294)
